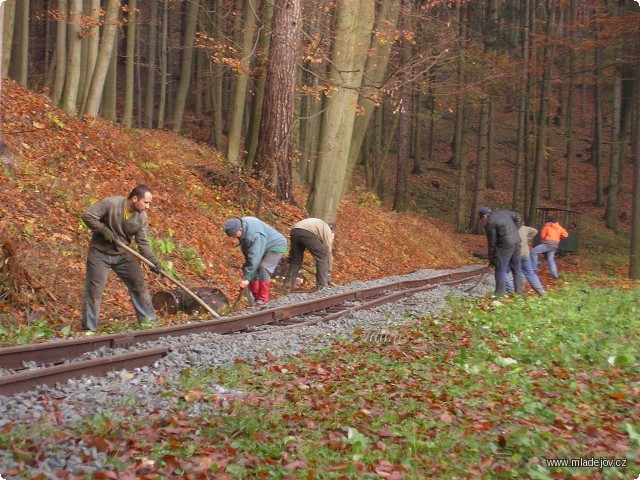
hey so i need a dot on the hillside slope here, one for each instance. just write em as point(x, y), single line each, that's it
point(62, 165)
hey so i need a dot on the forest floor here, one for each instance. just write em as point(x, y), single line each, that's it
point(62, 165)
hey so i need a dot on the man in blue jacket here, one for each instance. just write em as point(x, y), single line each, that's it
point(262, 247)
point(504, 243)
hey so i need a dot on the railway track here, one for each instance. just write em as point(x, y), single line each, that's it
point(59, 361)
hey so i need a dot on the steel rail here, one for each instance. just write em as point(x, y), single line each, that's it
point(328, 308)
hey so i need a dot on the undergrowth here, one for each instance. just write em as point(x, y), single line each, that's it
point(493, 388)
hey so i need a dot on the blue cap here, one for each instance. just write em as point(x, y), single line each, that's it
point(232, 226)
point(484, 211)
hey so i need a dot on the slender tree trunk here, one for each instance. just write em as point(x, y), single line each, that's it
point(186, 64)
point(522, 111)
point(461, 188)
point(569, 124)
point(416, 126)
point(149, 99)
point(260, 67)
point(23, 23)
point(611, 209)
point(109, 103)
point(634, 254)
point(93, 45)
point(457, 141)
point(490, 142)
point(61, 52)
point(104, 58)
point(240, 91)
point(163, 65)
point(596, 144)
point(74, 59)
point(7, 40)
point(541, 120)
point(404, 129)
point(5, 153)
point(127, 115)
point(481, 169)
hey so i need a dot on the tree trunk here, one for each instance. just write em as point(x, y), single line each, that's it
point(458, 131)
point(541, 120)
point(611, 209)
point(22, 26)
point(569, 124)
point(523, 110)
point(74, 59)
point(127, 115)
point(634, 254)
point(6, 155)
point(490, 142)
point(463, 164)
point(163, 65)
point(240, 91)
point(109, 106)
point(149, 99)
point(107, 43)
point(480, 184)
point(404, 127)
point(272, 157)
point(61, 52)
point(7, 32)
point(260, 67)
point(92, 41)
point(596, 144)
point(186, 65)
point(376, 72)
point(354, 24)
point(416, 126)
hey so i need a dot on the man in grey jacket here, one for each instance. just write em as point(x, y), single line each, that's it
point(120, 218)
point(315, 235)
point(503, 242)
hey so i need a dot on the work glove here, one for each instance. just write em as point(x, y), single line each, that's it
point(157, 268)
point(108, 235)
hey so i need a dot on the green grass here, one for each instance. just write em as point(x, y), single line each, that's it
point(491, 388)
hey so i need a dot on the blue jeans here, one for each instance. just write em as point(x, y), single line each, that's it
point(529, 273)
point(550, 252)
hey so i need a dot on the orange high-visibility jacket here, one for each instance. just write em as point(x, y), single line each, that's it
point(552, 233)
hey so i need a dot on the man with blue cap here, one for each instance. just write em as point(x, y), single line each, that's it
point(262, 247)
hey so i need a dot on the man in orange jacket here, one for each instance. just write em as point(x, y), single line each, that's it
point(550, 237)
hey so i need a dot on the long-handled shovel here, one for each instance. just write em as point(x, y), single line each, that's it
point(121, 244)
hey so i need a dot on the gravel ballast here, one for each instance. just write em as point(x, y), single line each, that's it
point(68, 405)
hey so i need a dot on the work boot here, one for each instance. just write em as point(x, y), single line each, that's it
point(254, 288)
point(263, 291)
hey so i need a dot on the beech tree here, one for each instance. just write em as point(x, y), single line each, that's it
point(353, 26)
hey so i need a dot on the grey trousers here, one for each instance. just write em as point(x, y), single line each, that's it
point(267, 266)
point(129, 271)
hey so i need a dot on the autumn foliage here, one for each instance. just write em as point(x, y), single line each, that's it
point(61, 165)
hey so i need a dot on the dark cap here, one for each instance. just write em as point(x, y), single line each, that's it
point(232, 226)
point(484, 211)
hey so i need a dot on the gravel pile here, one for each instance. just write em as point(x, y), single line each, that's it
point(66, 405)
